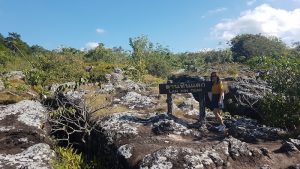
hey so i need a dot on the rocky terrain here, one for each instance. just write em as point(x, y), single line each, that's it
point(138, 133)
point(23, 137)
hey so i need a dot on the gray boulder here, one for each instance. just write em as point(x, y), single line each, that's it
point(36, 156)
point(14, 75)
point(288, 147)
point(144, 140)
point(244, 96)
point(296, 142)
point(249, 130)
point(136, 100)
point(24, 141)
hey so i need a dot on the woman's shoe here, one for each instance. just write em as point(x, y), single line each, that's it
point(222, 128)
point(217, 127)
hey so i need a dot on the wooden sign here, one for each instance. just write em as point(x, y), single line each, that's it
point(188, 87)
point(200, 88)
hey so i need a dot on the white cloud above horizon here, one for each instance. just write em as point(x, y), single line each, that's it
point(217, 10)
point(100, 30)
point(90, 45)
point(263, 19)
point(214, 11)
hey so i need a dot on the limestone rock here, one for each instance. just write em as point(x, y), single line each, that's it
point(133, 99)
point(125, 151)
point(296, 142)
point(36, 156)
point(31, 113)
point(24, 142)
point(14, 75)
point(250, 130)
point(288, 147)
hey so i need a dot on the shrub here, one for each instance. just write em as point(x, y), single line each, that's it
point(159, 67)
point(281, 106)
point(152, 80)
point(282, 111)
point(67, 158)
point(99, 71)
point(35, 77)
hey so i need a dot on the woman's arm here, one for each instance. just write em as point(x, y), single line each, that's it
point(209, 95)
point(221, 92)
point(221, 97)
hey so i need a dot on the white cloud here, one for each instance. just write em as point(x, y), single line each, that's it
point(100, 30)
point(214, 11)
point(263, 19)
point(91, 45)
point(218, 10)
point(251, 2)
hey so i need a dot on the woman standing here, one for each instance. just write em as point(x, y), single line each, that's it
point(216, 97)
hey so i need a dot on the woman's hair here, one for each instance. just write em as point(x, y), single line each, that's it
point(216, 75)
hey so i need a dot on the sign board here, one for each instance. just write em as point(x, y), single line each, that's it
point(187, 87)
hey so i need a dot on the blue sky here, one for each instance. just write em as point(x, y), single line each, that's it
point(181, 25)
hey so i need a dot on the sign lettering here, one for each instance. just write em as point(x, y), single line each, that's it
point(190, 87)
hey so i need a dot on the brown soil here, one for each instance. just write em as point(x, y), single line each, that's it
point(12, 141)
point(147, 142)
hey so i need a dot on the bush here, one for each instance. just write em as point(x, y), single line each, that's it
point(4, 58)
point(35, 77)
point(152, 80)
point(282, 111)
point(67, 158)
point(56, 68)
point(159, 67)
point(281, 107)
point(98, 72)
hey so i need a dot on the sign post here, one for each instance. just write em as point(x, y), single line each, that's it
point(170, 100)
point(202, 107)
point(198, 88)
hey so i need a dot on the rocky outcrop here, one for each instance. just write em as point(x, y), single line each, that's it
point(135, 100)
point(117, 81)
point(243, 96)
point(139, 140)
point(24, 141)
point(251, 131)
point(14, 75)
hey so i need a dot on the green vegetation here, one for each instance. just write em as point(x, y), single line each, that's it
point(69, 158)
point(282, 105)
point(246, 46)
point(153, 64)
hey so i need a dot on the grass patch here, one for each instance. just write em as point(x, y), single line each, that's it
point(112, 110)
point(9, 98)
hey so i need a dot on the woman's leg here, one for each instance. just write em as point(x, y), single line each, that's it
point(218, 116)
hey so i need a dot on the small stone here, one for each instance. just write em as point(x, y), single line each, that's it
point(125, 151)
point(266, 166)
point(288, 147)
point(296, 142)
point(296, 166)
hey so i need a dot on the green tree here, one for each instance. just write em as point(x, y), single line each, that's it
point(115, 55)
point(35, 49)
point(158, 61)
point(246, 46)
point(15, 44)
point(140, 49)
